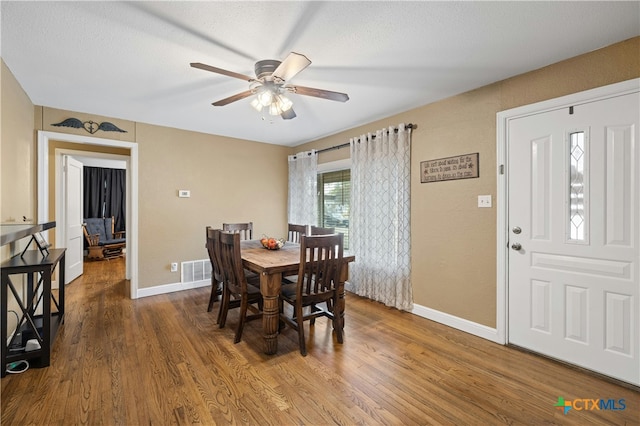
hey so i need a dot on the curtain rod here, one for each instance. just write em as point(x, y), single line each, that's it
point(344, 145)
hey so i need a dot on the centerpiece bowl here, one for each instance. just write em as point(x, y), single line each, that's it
point(271, 243)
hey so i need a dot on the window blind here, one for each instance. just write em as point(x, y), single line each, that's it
point(334, 194)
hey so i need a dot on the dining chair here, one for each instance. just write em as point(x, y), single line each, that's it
point(318, 230)
point(321, 259)
point(244, 229)
point(235, 284)
point(293, 235)
point(295, 232)
point(217, 280)
point(213, 250)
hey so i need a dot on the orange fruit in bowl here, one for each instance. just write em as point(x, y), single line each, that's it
point(271, 243)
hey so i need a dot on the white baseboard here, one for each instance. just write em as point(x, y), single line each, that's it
point(170, 288)
point(461, 324)
point(450, 320)
point(458, 323)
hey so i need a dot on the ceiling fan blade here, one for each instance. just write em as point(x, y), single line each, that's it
point(233, 98)
point(318, 93)
point(221, 71)
point(288, 114)
point(292, 65)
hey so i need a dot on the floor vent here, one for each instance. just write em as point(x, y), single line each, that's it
point(195, 271)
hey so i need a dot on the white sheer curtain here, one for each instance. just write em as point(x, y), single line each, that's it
point(379, 220)
point(303, 188)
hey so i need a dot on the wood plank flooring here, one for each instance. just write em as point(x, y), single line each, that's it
point(162, 360)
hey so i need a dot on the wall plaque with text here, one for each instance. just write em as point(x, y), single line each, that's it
point(451, 168)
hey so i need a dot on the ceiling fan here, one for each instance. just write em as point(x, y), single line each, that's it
point(270, 85)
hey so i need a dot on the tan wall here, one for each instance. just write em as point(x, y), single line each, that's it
point(453, 266)
point(230, 180)
point(17, 165)
point(17, 156)
point(51, 116)
point(17, 151)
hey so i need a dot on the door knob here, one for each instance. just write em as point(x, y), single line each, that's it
point(517, 230)
point(516, 246)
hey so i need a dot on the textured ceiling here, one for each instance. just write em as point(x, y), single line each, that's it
point(131, 60)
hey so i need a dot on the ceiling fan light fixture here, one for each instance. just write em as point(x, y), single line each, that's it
point(274, 109)
point(265, 97)
point(271, 84)
point(284, 103)
point(256, 104)
point(272, 99)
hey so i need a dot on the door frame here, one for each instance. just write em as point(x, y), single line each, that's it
point(132, 191)
point(502, 156)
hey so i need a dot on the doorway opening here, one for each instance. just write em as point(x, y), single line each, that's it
point(44, 165)
point(76, 202)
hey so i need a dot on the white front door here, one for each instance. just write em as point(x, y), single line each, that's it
point(73, 183)
point(574, 235)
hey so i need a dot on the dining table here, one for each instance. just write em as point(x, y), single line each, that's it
point(272, 266)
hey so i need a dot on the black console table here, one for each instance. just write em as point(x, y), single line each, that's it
point(41, 313)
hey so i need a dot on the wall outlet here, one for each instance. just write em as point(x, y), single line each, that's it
point(184, 193)
point(484, 200)
point(174, 267)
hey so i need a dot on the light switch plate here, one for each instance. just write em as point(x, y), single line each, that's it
point(484, 200)
point(184, 193)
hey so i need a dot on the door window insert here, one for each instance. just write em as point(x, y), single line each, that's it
point(578, 213)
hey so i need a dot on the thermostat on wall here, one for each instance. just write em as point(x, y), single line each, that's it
point(184, 193)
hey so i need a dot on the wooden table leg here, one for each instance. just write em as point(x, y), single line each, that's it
point(338, 318)
point(270, 289)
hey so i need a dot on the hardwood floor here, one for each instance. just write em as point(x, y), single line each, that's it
point(162, 360)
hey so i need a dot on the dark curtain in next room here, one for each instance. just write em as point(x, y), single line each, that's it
point(104, 194)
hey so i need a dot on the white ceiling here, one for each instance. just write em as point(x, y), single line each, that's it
point(131, 60)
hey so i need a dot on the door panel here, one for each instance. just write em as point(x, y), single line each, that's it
point(573, 280)
point(73, 182)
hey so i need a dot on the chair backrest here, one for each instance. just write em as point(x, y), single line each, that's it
point(213, 249)
point(318, 230)
point(321, 258)
point(96, 225)
point(231, 263)
point(109, 226)
point(295, 232)
point(244, 229)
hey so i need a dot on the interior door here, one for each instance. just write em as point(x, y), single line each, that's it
point(73, 182)
point(574, 235)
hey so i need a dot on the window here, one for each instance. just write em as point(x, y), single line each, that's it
point(578, 217)
point(334, 192)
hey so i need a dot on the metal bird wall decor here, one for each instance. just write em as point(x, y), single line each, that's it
point(89, 126)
